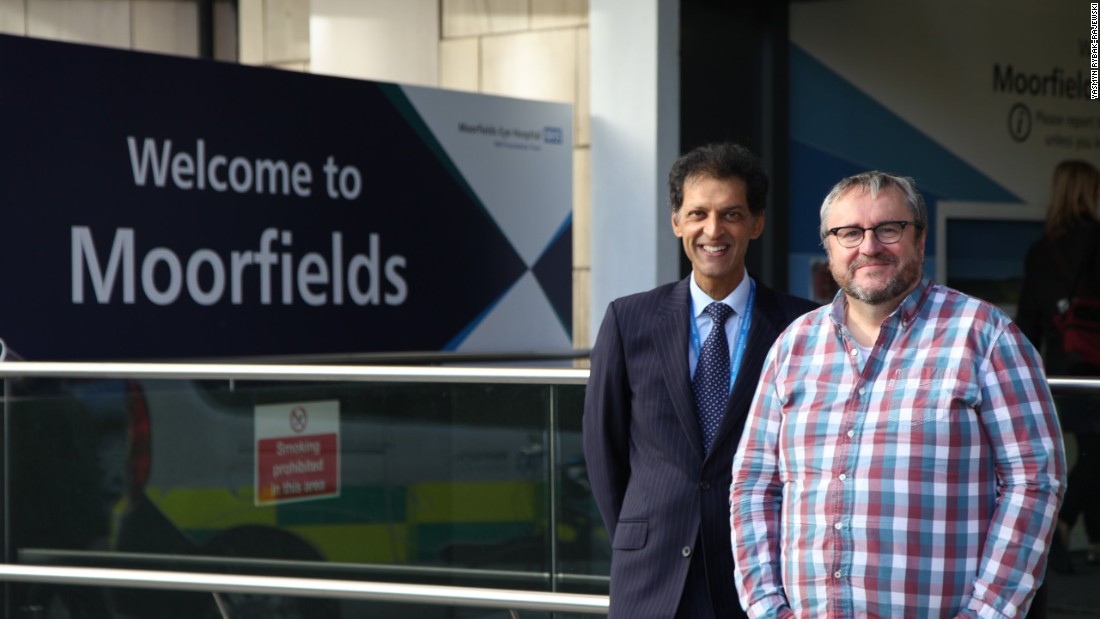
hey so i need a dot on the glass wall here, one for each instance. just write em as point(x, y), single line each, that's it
point(1073, 567)
point(478, 481)
point(473, 478)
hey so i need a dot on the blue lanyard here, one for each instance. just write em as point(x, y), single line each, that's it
point(742, 334)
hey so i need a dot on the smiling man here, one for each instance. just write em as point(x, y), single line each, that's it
point(902, 457)
point(673, 372)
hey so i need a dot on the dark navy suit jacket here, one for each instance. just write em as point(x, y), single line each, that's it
point(662, 499)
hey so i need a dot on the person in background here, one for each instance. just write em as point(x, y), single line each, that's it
point(902, 457)
point(672, 373)
point(1068, 247)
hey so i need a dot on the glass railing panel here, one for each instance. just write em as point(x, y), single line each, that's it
point(437, 483)
point(1073, 569)
point(583, 549)
point(469, 483)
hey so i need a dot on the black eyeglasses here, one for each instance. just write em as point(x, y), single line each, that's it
point(887, 233)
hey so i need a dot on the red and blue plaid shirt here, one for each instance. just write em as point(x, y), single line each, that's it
point(921, 481)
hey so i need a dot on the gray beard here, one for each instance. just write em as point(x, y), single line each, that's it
point(891, 290)
point(895, 286)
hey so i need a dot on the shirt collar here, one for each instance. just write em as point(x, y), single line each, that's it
point(738, 299)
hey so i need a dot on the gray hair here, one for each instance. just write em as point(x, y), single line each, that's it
point(874, 182)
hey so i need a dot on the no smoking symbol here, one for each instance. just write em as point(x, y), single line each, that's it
point(299, 419)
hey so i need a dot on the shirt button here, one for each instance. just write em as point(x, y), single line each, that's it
point(705, 485)
point(842, 477)
point(686, 551)
point(837, 574)
point(838, 526)
point(862, 391)
point(851, 433)
point(854, 352)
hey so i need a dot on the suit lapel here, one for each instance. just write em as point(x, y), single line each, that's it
point(762, 334)
point(671, 338)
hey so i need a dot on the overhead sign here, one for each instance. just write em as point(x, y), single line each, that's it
point(978, 104)
point(297, 451)
point(163, 207)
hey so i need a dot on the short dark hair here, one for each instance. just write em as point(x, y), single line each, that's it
point(719, 161)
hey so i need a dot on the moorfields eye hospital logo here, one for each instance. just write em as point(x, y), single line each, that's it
point(1094, 50)
point(515, 138)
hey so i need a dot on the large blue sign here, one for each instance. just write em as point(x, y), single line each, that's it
point(161, 207)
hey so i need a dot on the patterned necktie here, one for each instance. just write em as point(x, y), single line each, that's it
point(712, 374)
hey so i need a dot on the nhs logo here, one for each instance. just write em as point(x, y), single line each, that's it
point(552, 135)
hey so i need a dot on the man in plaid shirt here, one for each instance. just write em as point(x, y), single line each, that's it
point(902, 457)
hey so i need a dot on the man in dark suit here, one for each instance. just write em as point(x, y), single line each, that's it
point(664, 411)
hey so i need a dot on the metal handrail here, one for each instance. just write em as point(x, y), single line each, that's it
point(191, 563)
point(310, 587)
point(1073, 385)
point(115, 559)
point(199, 371)
point(351, 373)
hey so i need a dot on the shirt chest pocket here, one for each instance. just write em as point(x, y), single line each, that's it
point(921, 395)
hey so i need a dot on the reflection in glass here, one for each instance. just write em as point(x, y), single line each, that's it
point(461, 484)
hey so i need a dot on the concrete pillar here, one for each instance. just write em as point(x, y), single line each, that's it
point(634, 140)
